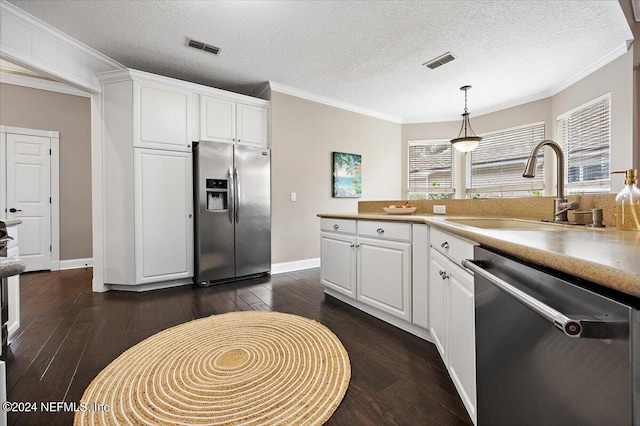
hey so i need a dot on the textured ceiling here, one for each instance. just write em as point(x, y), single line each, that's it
point(365, 53)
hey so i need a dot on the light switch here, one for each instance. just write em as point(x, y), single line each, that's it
point(293, 196)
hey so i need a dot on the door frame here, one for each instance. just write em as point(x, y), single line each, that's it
point(54, 136)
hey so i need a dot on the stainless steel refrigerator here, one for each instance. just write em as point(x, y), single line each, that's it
point(232, 195)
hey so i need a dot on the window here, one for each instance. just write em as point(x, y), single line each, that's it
point(584, 134)
point(494, 168)
point(430, 170)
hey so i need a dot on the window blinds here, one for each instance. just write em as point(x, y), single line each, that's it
point(496, 165)
point(430, 167)
point(584, 135)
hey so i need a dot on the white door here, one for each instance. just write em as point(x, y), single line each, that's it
point(29, 196)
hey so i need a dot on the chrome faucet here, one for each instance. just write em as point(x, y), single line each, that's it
point(560, 204)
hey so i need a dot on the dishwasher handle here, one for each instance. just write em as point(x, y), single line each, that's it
point(572, 327)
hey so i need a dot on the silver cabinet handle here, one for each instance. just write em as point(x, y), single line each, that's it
point(357, 245)
point(352, 245)
point(336, 226)
point(569, 326)
point(380, 231)
point(445, 245)
point(443, 275)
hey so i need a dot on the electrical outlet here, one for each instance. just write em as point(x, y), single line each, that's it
point(294, 197)
point(438, 209)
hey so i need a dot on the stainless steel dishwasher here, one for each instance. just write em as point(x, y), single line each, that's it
point(550, 350)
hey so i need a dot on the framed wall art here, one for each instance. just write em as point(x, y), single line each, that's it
point(347, 175)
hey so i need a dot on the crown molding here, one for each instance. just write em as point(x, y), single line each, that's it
point(287, 90)
point(41, 84)
point(606, 59)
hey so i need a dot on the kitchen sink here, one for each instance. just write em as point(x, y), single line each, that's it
point(497, 223)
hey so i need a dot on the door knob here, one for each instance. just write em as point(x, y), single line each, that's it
point(12, 210)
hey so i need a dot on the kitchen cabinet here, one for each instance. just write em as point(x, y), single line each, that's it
point(370, 262)
point(161, 116)
point(337, 247)
point(384, 275)
point(451, 312)
point(163, 215)
point(224, 120)
point(148, 200)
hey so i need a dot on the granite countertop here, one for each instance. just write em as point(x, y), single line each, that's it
point(11, 267)
point(11, 222)
point(605, 256)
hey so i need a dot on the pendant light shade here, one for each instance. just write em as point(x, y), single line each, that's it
point(467, 140)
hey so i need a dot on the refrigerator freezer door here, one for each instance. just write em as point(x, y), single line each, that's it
point(214, 236)
point(253, 213)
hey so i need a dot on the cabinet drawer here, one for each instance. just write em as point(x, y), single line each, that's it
point(346, 226)
point(456, 248)
point(384, 229)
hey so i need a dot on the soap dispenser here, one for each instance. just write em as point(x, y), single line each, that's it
point(628, 203)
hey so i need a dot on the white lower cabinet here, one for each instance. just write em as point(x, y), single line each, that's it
point(438, 302)
point(409, 275)
point(384, 276)
point(338, 256)
point(452, 313)
point(163, 215)
point(370, 264)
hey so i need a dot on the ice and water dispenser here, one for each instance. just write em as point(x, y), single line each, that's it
point(217, 190)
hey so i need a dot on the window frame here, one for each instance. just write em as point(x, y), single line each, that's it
point(592, 186)
point(447, 192)
point(502, 188)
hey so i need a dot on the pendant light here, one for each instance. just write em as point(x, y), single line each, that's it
point(469, 141)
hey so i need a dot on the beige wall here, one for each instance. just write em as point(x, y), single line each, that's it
point(71, 116)
point(531, 112)
point(615, 77)
point(303, 135)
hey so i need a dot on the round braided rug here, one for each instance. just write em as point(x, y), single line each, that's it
point(249, 368)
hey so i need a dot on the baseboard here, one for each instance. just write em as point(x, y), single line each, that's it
point(76, 263)
point(296, 265)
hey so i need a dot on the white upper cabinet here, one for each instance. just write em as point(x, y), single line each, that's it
point(252, 125)
point(223, 120)
point(163, 116)
point(217, 120)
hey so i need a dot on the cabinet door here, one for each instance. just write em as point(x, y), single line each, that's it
point(252, 125)
point(384, 276)
point(338, 262)
point(462, 359)
point(163, 215)
point(438, 302)
point(162, 117)
point(217, 120)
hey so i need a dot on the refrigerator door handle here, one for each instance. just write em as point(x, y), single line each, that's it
point(231, 195)
point(237, 194)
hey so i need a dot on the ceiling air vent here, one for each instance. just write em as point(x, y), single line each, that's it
point(440, 60)
point(202, 46)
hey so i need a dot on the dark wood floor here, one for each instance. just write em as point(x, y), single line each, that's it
point(68, 334)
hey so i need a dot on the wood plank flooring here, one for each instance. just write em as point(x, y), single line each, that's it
point(69, 334)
